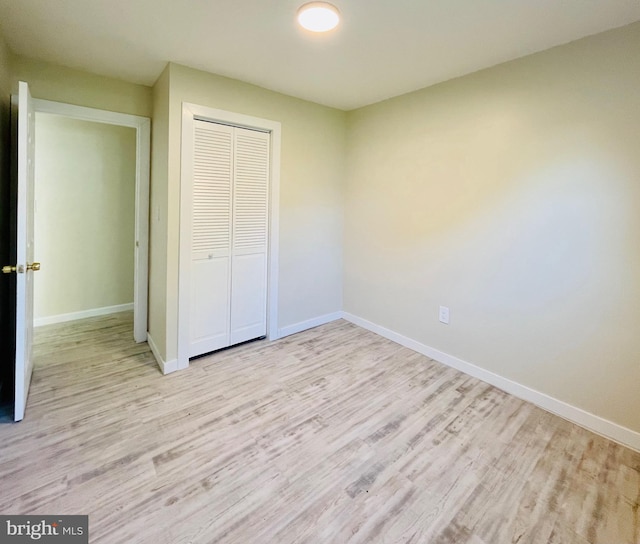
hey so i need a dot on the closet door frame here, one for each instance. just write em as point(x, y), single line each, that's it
point(191, 113)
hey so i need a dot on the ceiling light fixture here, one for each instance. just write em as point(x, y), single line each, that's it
point(318, 16)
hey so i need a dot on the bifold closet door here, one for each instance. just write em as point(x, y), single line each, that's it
point(210, 302)
point(228, 302)
point(249, 239)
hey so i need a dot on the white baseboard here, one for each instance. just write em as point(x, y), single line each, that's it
point(308, 324)
point(166, 367)
point(73, 316)
point(589, 421)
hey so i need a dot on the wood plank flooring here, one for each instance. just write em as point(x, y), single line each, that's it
point(333, 435)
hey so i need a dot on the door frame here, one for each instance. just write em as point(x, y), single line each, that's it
point(142, 125)
point(191, 113)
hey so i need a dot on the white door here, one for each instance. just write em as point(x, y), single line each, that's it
point(228, 299)
point(211, 238)
point(249, 243)
point(25, 266)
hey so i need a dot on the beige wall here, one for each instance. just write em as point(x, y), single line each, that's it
point(512, 196)
point(311, 192)
point(84, 222)
point(61, 84)
point(158, 221)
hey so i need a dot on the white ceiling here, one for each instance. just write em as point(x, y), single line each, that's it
point(383, 48)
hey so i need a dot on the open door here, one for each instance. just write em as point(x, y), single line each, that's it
point(24, 267)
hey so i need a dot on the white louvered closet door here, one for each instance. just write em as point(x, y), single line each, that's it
point(229, 241)
point(249, 241)
point(210, 303)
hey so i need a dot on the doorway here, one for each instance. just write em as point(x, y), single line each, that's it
point(84, 219)
point(91, 214)
point(24, 111)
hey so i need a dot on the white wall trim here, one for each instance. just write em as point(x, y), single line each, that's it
point(308, 324)
point(73, 316)
point(166, 367)
point(191, 112)
point(142, 125)
point(589, 421)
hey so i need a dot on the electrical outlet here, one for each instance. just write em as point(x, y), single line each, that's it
point(444, 315)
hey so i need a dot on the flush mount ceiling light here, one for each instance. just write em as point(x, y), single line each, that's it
point(318, 16)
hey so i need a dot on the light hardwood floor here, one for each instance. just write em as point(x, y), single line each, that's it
point(333, 435)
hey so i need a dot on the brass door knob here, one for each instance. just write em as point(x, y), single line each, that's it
point(20, 268)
